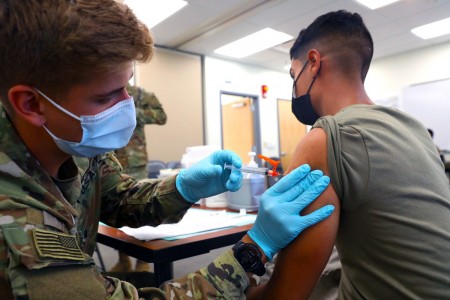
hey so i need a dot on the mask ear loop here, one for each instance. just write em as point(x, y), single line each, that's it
point(296, 79)
point(314, 79)
point(58, 106)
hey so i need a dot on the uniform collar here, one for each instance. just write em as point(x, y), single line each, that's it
point(28, 172)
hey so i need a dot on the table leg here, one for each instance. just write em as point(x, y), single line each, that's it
point(163, 272)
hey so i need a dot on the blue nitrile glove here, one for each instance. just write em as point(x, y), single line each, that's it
point(279, 220)
point(208, 177)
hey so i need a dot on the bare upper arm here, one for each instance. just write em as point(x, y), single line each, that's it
point(312, 150)
point(300, 264)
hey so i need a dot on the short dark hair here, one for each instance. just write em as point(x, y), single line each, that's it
point(54, 44)
point(339, 30)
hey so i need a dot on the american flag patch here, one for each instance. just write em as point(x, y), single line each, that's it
point(57, 245)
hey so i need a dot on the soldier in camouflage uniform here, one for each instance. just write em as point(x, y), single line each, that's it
point(133, 157)
point(63, 75)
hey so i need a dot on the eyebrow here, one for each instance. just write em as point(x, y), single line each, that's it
point(118, 90)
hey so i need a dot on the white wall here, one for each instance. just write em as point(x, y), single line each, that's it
point(384, 83)
point(388, 76)
point(176, 79)
point(227, 76)
point(392, 81)
point(430, 104)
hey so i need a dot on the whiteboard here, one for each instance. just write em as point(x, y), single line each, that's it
point(430, 103)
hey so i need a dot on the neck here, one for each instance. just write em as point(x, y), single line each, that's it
point(42, 146)
point(340, 94)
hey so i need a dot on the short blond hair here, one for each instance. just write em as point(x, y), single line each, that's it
point(54, 44)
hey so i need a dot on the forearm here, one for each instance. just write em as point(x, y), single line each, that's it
point(146, 202)
point(223, 278)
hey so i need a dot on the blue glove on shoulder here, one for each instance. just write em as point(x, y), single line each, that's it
point(208, 177)
point(279, 220)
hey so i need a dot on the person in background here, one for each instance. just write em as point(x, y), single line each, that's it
point(64, 69)
point(392, 222)
point(133, 157)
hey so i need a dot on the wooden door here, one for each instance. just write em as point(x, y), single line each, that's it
point(291, 131)
point(237, 125)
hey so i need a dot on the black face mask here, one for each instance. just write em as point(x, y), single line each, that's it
point(301, 106)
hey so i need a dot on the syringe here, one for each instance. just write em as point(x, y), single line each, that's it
point(262, 171)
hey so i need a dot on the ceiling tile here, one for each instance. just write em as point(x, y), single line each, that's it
point(204, 25)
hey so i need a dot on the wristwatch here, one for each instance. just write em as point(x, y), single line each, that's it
point(249, 256)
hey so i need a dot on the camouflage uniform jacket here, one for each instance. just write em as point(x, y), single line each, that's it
point(133, 157)
point(48, 228)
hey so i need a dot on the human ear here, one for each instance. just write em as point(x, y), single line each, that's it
point(26, 105)
point(314, 61)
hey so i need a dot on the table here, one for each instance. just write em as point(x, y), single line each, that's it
point(163, 253)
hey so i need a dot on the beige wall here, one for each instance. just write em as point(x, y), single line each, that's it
point(175, 78)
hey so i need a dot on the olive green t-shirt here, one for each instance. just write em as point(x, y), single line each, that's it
point(394, 230)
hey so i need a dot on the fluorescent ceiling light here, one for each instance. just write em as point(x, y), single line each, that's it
point(432, 30)
point(253, 43)
point(152, 12)
point(374, 4)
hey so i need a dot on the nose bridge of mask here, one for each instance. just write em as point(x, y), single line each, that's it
point(58, 106)
point(108, 113)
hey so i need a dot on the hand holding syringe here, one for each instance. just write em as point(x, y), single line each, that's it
point(246, 169)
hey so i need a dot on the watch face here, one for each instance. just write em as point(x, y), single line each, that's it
point(248, 257)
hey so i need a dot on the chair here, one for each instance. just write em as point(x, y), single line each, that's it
point(173, 164)
point(153, 168)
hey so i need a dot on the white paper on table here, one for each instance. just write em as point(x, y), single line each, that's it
point(194, 221)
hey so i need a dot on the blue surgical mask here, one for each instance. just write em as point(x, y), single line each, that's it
point(301, 106)
point(106, 131)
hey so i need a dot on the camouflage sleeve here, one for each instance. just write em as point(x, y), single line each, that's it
point(39, 261)
point(148, 108)
point(135, 203)
point(224, 278)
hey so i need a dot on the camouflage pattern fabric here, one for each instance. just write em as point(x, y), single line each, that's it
point(224, 278)
point(48, 227)
point(133, 157)
point(149, 110)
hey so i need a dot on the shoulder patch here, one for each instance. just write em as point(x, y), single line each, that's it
point(57, 245)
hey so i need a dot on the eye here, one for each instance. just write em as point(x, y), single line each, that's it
point(104, 100)
point(109, 101)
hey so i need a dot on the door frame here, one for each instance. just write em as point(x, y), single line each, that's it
point(256, 121)
point(280, 155)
